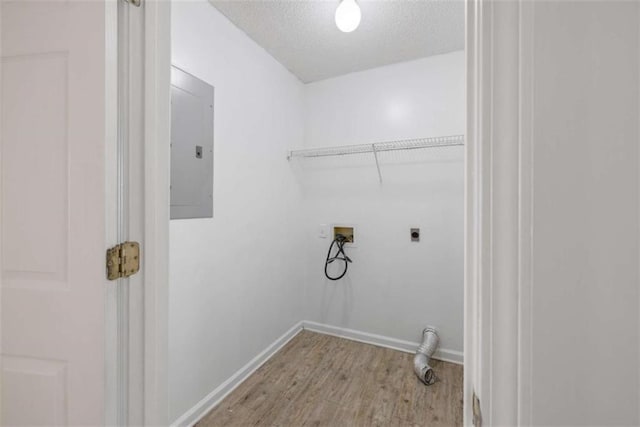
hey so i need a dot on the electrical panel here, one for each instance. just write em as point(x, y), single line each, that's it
point(191, 146)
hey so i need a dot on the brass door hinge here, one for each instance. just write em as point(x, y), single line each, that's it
point(123, 260)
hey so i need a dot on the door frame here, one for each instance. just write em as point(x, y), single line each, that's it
point(498, 208)
point(111, 375)
point(157, 135)
point(137, 320)
point(155, 38)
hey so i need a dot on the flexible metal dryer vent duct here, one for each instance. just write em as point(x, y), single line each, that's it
point(423, 355)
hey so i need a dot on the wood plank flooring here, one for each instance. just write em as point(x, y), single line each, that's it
point(320, 380)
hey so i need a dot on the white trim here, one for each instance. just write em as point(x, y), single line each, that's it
point(129, 349)
point(148, 55)
point(1, 186)
point(501, 198)
point(446, 355)
point(111, 389)
point(638, 261)
point(194, 414)
point(525, 211)
point(499, 203)
point(157, 131)
point(472, 214)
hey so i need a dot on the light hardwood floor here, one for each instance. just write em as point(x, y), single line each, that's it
point(320, 380)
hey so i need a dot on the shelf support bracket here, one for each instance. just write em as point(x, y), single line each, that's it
point(375, 154)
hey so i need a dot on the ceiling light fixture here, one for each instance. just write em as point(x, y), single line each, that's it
point(348, 15)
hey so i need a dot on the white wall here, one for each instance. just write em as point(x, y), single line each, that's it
point(241, 279)
point(585, 217)
point(234, 283)
point(394, 287)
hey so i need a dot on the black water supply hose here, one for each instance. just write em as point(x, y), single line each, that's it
point(340, 255)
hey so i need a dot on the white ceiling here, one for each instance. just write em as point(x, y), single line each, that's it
point(302, 34)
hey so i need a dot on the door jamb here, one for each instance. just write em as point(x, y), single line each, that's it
point(499, 206)
point(112, 389)
point(157, 130)
point(148, 213)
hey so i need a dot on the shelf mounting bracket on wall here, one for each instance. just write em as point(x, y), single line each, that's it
point(375, 154)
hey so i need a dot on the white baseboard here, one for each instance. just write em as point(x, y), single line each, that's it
point(446, 355)
point(194, 414)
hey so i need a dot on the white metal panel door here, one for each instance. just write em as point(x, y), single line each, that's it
point(53, 212)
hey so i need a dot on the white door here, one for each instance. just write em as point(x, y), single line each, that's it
point(53, 212)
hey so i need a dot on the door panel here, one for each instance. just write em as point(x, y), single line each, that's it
point(35, 164)
point(53, 204)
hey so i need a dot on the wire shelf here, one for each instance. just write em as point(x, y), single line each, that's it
point(379, 147)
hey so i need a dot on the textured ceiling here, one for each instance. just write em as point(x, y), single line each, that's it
point(302, 34)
